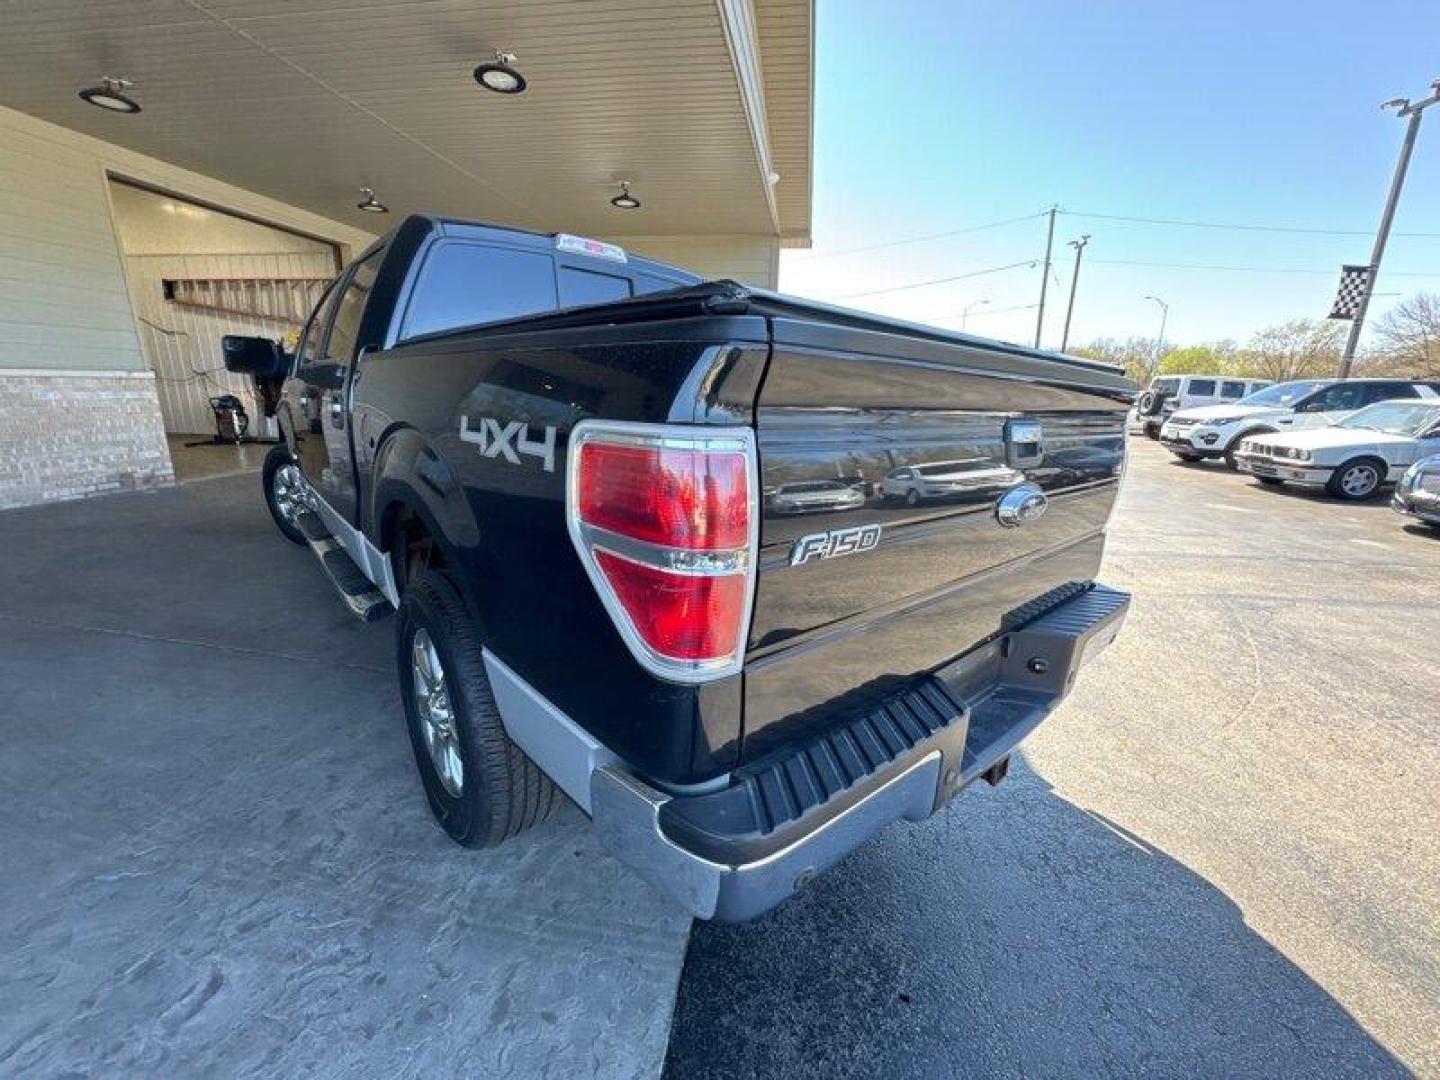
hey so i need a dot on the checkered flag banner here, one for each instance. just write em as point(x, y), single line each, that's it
point(1352, 290)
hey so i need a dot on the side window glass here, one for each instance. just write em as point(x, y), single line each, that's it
point(1232, 390)
point(1389, 391)
point(315, 329)
point(345, 328)
point(1202, 387)
point(465, 284)
point(1340, 398)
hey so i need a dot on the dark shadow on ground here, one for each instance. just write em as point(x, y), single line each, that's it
point(1019, 935)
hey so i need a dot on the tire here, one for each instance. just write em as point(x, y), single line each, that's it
point(1270, 481)
point(481, 787)
point(912, 497)
point(1189, 459)
point(279, 476)
point(1358, 479)
point(1152, 431)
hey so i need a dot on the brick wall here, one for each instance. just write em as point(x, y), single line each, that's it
point(67, 434)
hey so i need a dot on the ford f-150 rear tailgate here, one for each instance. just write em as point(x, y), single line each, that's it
point(966, 487)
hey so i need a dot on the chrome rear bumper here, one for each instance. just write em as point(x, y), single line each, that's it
point(734, 853)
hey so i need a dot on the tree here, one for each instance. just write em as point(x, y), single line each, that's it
point(1408, 336)
point(1135, 355)
point(1298, 349)
point(1214, 358)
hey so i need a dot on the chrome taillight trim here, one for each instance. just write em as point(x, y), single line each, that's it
point(586, 538)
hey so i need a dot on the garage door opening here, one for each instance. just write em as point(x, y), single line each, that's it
point(197, 273)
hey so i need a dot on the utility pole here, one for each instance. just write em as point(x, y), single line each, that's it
point(1412, 109)
point(965, 315)
point(1079, 246)
point(1160, 341)
point(1045, 275)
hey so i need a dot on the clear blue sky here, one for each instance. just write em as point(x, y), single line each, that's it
point(933, 115)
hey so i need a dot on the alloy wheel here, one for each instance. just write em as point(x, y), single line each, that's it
point(436, 712)
point(291, 496)
point(1359, 480)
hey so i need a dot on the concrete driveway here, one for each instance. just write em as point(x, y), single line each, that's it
point(217, 859)
point(1218, 858)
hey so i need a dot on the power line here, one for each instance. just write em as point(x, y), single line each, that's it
point(815, 257)
point(1240, 227)
point(1238, 269)
point(987, 312)
point(937, 281)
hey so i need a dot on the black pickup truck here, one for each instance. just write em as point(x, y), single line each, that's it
point(638, 534)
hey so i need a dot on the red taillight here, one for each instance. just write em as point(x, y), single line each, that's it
point(664, 521)
point(680, 498)
point(685, 616)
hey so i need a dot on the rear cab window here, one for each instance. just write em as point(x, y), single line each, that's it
point(464, 283)
point(590, 287)
point(474, 275)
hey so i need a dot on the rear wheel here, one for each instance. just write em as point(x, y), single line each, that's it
point(481, 787)
point(286, 493)
point(1152, 431)
point(1188, 458)
point(912, 497)
point(1270, 481)
point(1357, 480)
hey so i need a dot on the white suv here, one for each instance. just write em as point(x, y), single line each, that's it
point(1168, 393)
point(1215, 431)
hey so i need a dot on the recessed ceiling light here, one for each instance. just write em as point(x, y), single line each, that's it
point(370, 204)
point(500, 75)
point(625, 201)
point(110, 94)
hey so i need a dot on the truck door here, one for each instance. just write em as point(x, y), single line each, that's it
point(322, 379)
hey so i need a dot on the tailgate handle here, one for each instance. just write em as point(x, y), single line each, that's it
point(1024, 442)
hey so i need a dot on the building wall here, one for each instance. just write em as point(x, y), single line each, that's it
point(65, 307)
point(66, 434)
point(751, 260)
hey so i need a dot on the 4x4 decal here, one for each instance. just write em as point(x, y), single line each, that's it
point(510, 441)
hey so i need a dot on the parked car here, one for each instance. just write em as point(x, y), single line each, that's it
point(1418, 492)
point(1353, 458)
point(1211, 431)
point(1216, 430)
point(545, 456)
point(1167, 394)
point(814, 496)
point(947, 479)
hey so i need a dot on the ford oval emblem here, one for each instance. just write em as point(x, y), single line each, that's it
point(1019, 505)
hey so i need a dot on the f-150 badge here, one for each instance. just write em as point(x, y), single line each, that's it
point(836, 542)
point(510, 441)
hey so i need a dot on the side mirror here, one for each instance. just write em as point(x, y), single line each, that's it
point(254, 356)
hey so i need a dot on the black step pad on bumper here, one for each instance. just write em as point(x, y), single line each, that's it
point(363, 599)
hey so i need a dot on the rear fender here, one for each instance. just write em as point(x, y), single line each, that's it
point(411, 476)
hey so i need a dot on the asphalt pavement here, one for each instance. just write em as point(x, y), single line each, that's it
point(1218, 858)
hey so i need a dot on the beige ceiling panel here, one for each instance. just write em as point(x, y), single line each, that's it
point(307, 102)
